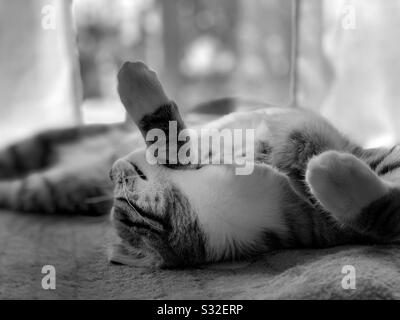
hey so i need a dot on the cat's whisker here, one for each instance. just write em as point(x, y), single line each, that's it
point(136, 211)
point(126, 197)
point(99, 199)
point(124, 188)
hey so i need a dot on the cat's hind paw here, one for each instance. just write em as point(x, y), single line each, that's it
point(343, 184)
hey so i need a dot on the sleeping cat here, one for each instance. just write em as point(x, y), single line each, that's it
point(310, 187)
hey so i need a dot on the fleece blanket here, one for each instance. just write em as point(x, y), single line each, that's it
point(77, 248)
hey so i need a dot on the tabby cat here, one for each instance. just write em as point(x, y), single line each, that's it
point(311, 186)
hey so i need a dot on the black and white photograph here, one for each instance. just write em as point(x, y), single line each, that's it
point(205, 150)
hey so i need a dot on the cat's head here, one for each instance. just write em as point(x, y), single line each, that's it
point(175, 217)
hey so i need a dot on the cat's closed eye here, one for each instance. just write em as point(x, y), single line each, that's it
point(138, 171)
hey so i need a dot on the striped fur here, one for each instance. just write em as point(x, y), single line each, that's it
point(63, 171)
point(311, 187)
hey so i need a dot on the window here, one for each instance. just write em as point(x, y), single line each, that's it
point(202, 49)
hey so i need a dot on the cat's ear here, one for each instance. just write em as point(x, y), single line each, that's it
point(124, 254)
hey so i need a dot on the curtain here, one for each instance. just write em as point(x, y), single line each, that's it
point(39, 79)
point(349, 66)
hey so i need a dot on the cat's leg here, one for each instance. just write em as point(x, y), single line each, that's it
point(25, 156)
point(146, 102)
point(60, 190)
point(355, 195)
point(40, 151)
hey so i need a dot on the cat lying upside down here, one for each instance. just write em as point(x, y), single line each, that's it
point(310, 187)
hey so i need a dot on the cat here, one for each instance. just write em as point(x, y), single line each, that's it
point(311, 187)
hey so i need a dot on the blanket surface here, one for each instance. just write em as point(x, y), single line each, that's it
point(77, 248)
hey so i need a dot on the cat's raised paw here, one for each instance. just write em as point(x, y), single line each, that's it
point(343, 184)
point(140, 90)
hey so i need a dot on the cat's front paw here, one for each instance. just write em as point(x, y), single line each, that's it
point(140, 90)
point(343, 184)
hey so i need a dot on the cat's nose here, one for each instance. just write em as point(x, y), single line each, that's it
point(120, 170)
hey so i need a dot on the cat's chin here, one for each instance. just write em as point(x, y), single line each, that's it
point(124, 254)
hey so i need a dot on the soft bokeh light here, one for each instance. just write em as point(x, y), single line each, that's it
point(201, 49)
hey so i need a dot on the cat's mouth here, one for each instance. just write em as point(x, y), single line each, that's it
point(131, 215)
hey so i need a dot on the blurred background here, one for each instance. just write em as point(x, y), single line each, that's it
point(59, 58)
point(201, 49)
